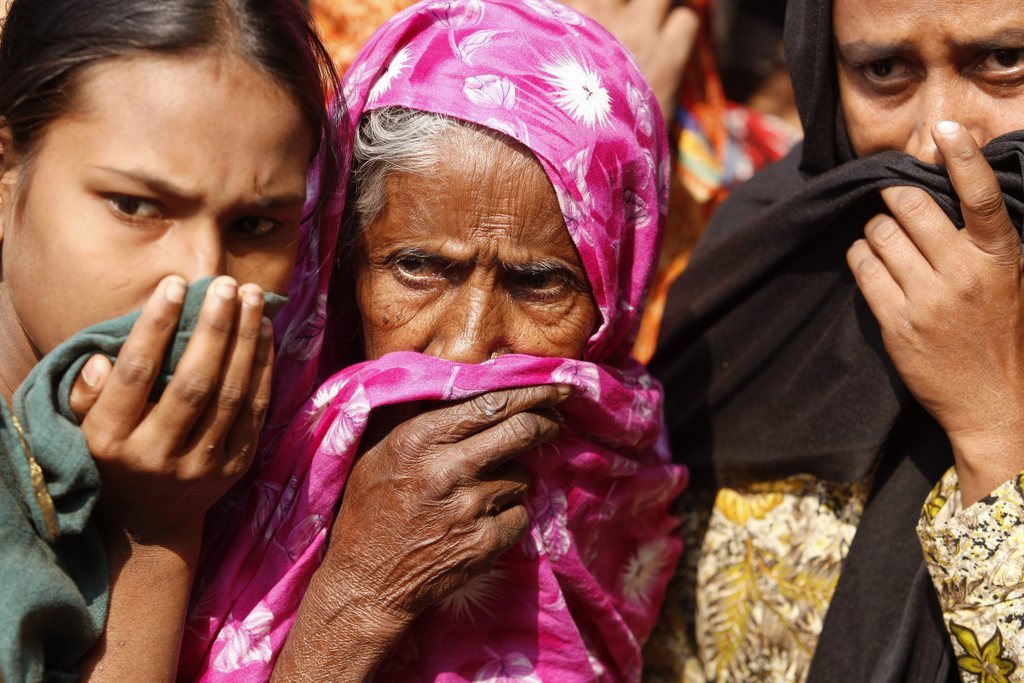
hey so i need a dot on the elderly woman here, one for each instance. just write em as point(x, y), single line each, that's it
point(508, 197)
point(836, 446)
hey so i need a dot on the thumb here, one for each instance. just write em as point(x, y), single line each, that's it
point(88, 385)
point(988, 223)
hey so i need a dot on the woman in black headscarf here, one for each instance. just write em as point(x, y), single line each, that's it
point(838, 433)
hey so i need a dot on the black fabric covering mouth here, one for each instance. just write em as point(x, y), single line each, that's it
point(773, 365)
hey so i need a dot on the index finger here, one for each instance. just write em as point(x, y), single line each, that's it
point(987, 221)
point(126, 392)
point(454, 423)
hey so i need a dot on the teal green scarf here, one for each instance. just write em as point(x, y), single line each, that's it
point(53, 569)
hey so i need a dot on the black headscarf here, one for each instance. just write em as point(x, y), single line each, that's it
point(774, 366)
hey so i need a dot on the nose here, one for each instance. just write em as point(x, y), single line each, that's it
point(201, 252)
point(942, 99)
point(472, 330)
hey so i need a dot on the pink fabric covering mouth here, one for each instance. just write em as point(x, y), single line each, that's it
point(575, 600)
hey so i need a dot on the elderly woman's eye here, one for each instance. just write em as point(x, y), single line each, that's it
point(134, 208)
point(420, 268)
point(539, 283)
point(538, 280)
point(413, 265)
point(254, 226)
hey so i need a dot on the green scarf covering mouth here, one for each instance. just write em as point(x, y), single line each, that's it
point(52, 563)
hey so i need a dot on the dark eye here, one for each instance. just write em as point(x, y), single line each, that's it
point(540, 279)
point(1003, 59)
point(413, 265)
point(134, 207)
point(255, 226)
point(420, 268)
point(881, 68)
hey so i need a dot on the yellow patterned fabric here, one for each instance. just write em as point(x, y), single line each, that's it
point(976, 560)
point(762, 561)
point(761, 575)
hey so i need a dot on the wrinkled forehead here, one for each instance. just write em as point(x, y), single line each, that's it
point(561, 86)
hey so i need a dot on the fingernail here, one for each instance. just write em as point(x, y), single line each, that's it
point(266, 328)
point(227, 290)
point(947, 127)
point(174, 291)
point(251, 295)
point(90, 373)
point(564, 391)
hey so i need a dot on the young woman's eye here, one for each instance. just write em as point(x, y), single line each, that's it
point(134, 208)
point(254, 226)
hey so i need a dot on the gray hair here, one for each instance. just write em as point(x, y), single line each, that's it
point(396, 140)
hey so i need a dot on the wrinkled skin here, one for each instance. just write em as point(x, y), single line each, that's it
point(473, 260)
point(950, 303)
point(470, 261)
point(440, 502)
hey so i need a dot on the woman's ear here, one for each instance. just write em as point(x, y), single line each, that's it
point(9, 172)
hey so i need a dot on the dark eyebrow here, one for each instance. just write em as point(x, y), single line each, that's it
point(1007, 39)
point(164, 188)
point(285, 201)
point(865, 52)
point(566, 271)
point(153, 184)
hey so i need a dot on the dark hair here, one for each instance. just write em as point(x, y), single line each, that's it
point(47, 44)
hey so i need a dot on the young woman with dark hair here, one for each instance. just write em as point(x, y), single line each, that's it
point(145, 144)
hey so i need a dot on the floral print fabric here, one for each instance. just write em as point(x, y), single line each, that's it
point(976, 559)
point(749, 549)
point(752, 606)
point(576, 600)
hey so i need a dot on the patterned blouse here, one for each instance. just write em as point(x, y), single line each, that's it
point(762, 563)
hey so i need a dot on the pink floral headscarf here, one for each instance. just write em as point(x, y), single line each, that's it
point(566, 89)
point(577, 598)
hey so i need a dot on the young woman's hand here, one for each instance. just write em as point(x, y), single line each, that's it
point(660, 36)
point(164, 465)
point(951, 308)
point(427, 508)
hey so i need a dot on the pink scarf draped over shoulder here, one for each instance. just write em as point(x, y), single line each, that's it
point(576, 599)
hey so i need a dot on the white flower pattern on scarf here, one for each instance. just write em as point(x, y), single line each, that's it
point(579, 92)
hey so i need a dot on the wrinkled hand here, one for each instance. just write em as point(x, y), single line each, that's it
point(951, 308)
point(428, 507)
point(164, 465)
point(437, 500)
point(660, 36)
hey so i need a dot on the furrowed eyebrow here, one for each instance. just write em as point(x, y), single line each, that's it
point(865, 52)
point(161, 187)
point(1006, 39)
point(563, 270)
point(152, 183)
